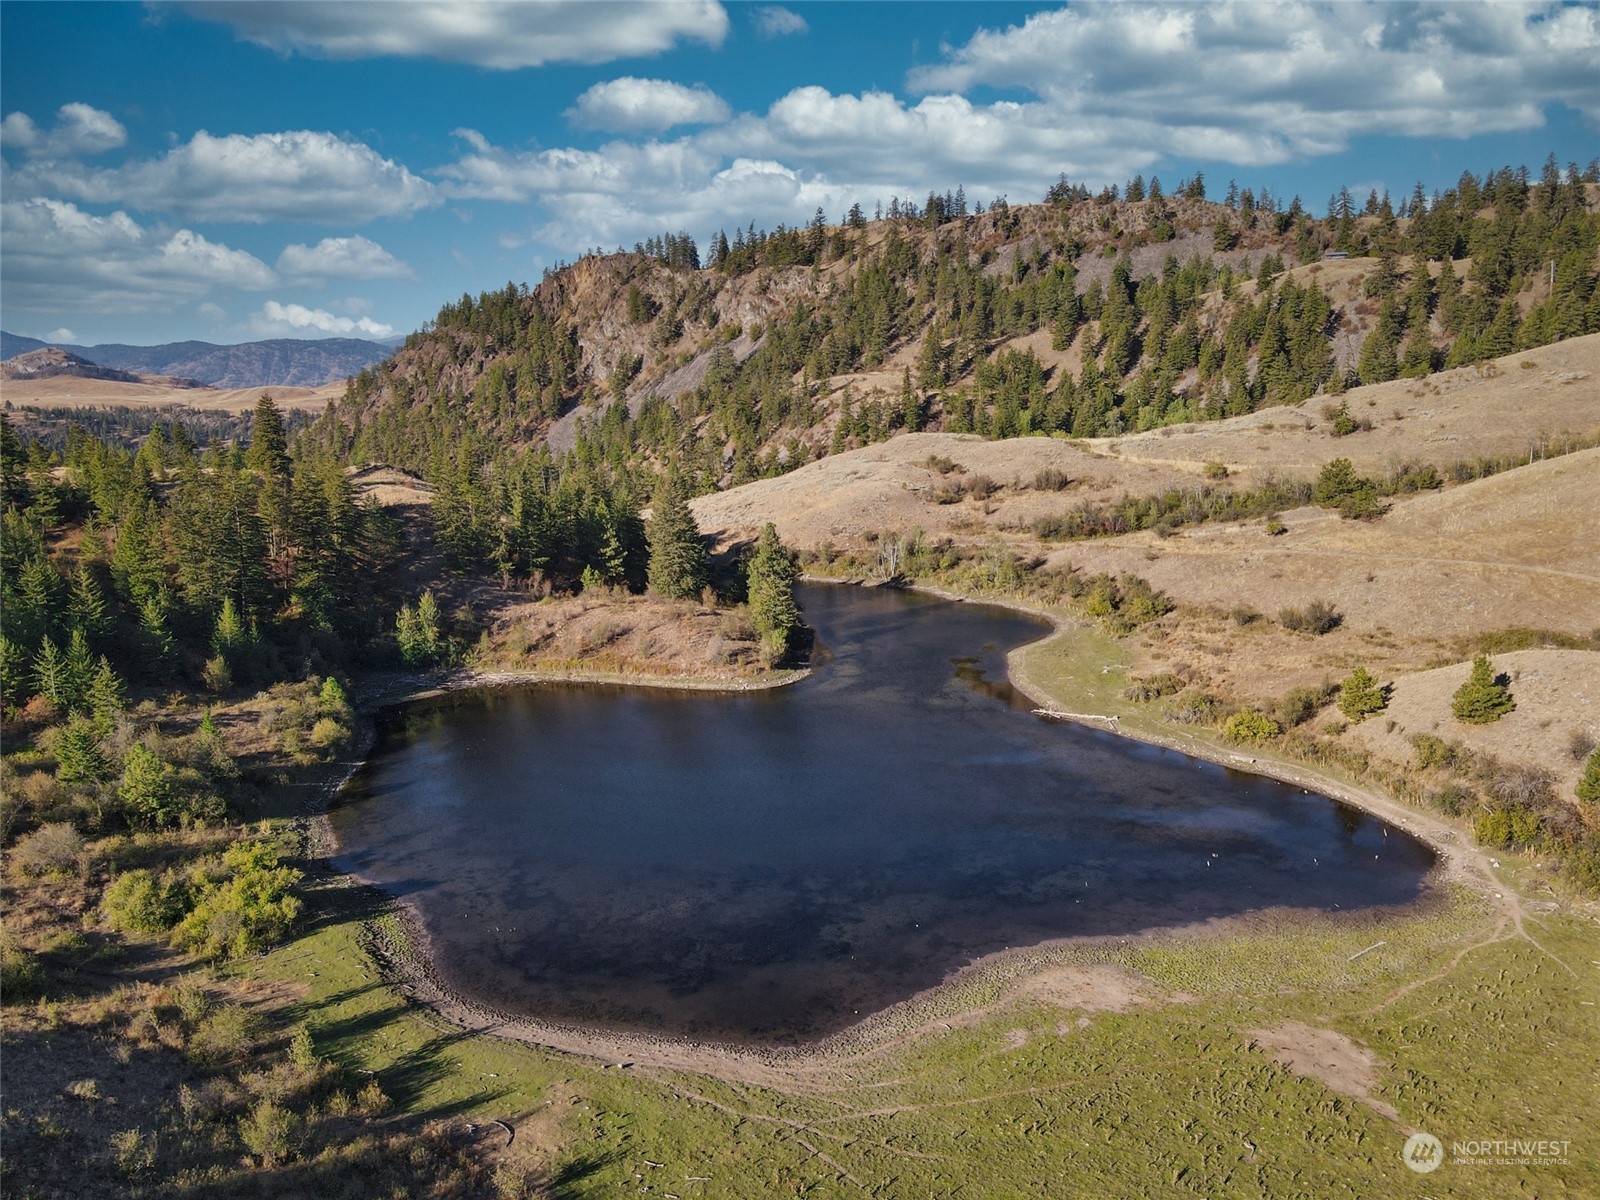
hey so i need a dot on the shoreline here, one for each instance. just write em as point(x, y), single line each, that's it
point(404, 956)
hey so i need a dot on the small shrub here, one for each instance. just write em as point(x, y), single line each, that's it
point(1194, 708)
point(1452, 799)
point(270, 1132)
point(1153, 687)
point(327, 732)
point(225, 1034)
point(1051, 479)
point(1275, 527)
point(1432, 751)
point(1317, 618)
point(1485, 697)
point(1216, 470)
point(941, 464)
point(137, 902)
point(53, 849)
point(1249, 727)
point(981, 487)
point(1300, 704)
point(20, 977)
point(252, 906)
point(1507, 828)
point(1243, 615)
point(135, 1153)
point(217, 675)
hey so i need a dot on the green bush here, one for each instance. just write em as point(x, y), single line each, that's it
point(249, 908)
point(1432, 751)
point(1507, 828)
point(1249, 727)
point(138, 902)
point(1302, 703)
point(270, 1132)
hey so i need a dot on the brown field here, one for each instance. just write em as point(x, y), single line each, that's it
point(67, 391)
point(1414, 587)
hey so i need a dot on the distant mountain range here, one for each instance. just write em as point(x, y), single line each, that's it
point(280, 362)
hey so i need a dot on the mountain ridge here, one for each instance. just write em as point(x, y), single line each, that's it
point(272, 362)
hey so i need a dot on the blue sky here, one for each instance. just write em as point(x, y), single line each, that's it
point(303, 168)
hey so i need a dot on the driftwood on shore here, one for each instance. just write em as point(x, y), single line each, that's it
point(1057, 715)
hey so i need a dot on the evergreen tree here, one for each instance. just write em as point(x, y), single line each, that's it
point(79, 758)
point(417, 632)
point(1360, 695)
point(51, 678)
point(269, 443)
point(79, 669)
point(146, 788)
point(86, 607)
point(104, 697)
point(228, 636)
point(770, 574)
point(1588, 789)
point(679, 567)
point(1483, 698)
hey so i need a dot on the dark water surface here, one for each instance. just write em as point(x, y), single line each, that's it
point(774, 866)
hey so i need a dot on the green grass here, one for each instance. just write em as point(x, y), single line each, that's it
point(1163, 1100)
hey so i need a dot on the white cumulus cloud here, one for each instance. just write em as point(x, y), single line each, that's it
point(295, 176)
point(79, 130)
point(500, 34)
point(280, 320)
point(61, 259)
point(773, 20)
point(344, 258)
point(61, 336)
point(1258, 83)
point(630, 105)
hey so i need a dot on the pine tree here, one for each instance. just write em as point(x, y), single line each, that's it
point(1588, 789)
point(86, 607)
point(104, 697)
point(678, 561)
point(1360, 695)
point(79, 758)
point(417, 631)
point(50, 676)
point(1483, 698)
point(79, 669)
point(770, 576)
point(147, 787)
point(269, 444)
point(910, 403)
point(228, 636)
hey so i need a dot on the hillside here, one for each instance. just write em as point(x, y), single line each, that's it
point(1090, 316)
point(50, 362)
point(279, 362)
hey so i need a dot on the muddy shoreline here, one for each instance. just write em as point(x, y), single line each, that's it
point(403, 952)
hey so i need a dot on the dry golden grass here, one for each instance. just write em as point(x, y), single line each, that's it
point(66, 391)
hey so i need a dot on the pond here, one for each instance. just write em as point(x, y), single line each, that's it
point(771, 867)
